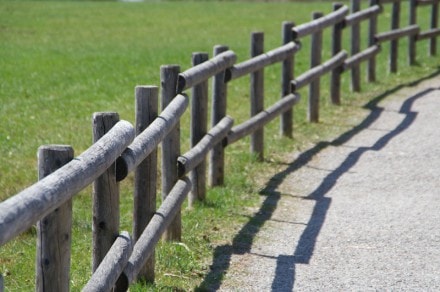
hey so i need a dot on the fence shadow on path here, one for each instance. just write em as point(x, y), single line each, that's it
point(285, 271)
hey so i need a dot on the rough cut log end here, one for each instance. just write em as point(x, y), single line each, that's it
point(293, 86)
point(121, 169)
point(181, 169)
point(294, 35)
point(181, 83)
point(228, 75)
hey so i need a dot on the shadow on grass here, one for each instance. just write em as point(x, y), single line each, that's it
point(285, 270)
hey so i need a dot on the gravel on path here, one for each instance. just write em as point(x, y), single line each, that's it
point(360, 213)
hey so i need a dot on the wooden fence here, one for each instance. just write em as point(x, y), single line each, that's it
point(120, 258)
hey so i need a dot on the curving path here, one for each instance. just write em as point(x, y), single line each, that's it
point(360, 213)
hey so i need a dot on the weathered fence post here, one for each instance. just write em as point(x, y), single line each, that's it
point(372, 30)
point(219, 102)
point(257, 95)
point(315, 60)
point(434, 24)
point(105, 196)
point(287, 67)
point(145, 175)
point(335, 84)
point(412, 38)
point(170, 148)
point(355, 48)
point(394, 44)
point(199, 127)
point(54, 230)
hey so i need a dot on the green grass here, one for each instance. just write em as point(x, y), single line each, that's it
point(62, 61)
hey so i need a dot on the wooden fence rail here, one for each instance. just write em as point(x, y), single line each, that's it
point(361, 57)
point(261, 61)
point(111, 267)
point(397, 33)
point(119, 260)
point(362, 15)
point(430, 34)
point(151, 234)
point(20, 212)
point(205, 70)
point(262, 118)
point(318, 71)
point(320, 23)
point(189, 160)
point(150, 138)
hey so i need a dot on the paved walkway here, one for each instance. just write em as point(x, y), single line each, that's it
point(360, 213)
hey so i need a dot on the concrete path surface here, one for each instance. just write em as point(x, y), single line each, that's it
point(359, 213)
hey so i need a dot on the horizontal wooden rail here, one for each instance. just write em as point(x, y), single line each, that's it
point(362, 15)
point(189, 160)
point(262, 118)
point(320, 23)
point(318, 71)
point(148, 140)
point(151, 234)
point(111, 267)
point(426, 2)
point(360, 57)
point(428, 34)
point(397, 33)
point(21, 211)
point(261, 61)
point(205, 70)
point(124, 262)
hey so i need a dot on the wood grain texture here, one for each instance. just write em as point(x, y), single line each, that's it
point(257, 95)
point(54, 232)
point(310, 75)
point(315, 60)
point(398, 33)
point(258, 121)
point(362, 15)
point(145, 175)
point(319, 24)
point(105, 225)
point(193, 157)
point(287, 75)
point(170, 147)
point(262, 60)
point(335, 84)
point(203, 71)
point(218, 110)
point(394, 45)
point(21, 211)
point(157, 226)
point(361, 57)
point(372, 31)
point(199, 127)
point(355, 47)
point(147, 141)
point(106, 275)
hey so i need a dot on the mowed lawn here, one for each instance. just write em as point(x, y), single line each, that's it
point(62, 61)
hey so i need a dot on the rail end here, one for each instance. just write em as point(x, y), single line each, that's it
point(181, 84)
point(228, 75)
point(181, 169)
point(122, 283)
point(295, 36)
point(121, 169)
point(293, 86)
